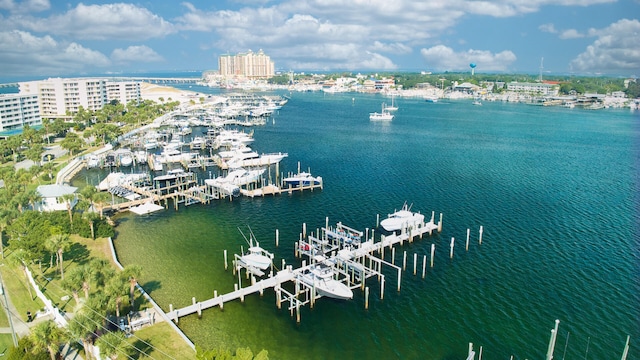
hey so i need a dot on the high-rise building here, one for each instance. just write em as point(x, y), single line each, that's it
point(250, 65)
point(17, 110)
point(124, 91)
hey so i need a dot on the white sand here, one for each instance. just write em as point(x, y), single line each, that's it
point(155, 92)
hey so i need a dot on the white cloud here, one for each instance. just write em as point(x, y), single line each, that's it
point(26, 6)
point(617, 49)
point(103, 22)
point(570, 34)
point(136, 53)
point(23, 53)
point(549, 28)
point(394, 48)
point(441, 57)
point(508, 8)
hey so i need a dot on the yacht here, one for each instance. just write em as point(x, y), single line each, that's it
point(320, 277)
point(381, 116)
point(256, 257)
point(301, 179)
point(402, 218)
point(260, 160)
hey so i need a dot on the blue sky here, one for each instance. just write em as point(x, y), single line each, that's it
point(42, 38)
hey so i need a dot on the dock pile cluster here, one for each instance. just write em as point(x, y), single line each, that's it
point(205, 138)
point(335, 260)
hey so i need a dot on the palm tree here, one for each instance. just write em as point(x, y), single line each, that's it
point(112, 343)
point(132, 272)
point(116, 289)
point(6, 215)
point(47, 336)
point(58, 243)
point(83, 327)
point(68, 199)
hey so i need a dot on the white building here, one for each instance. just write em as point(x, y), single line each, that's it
point(17, 110)
point(533, 88)
point(52, 197)
point(123, 91)
point(57, 96)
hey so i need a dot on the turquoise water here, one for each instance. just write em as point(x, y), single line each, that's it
point(554, 188)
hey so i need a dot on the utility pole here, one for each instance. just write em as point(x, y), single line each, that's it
point(6, 306)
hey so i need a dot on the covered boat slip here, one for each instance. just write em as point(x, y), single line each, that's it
point(346, 260)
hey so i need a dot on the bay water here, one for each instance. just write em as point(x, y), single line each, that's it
point(555, 189)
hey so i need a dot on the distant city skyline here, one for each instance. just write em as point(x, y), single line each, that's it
point(40, 38)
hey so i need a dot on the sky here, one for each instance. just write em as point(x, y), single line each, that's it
point(43, 38)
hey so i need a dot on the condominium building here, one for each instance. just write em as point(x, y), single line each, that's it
point(536, 88)
point(17, 110)
point(58, 96)
point(123, 91)
point(249, 65)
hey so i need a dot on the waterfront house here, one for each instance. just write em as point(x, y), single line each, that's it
point(53, 197)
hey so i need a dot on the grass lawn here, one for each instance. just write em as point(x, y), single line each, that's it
point(160, 341)
point(17, 289)
point(4, 321)
point(6, 342)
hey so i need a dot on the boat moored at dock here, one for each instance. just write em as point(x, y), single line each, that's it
point(401, 219)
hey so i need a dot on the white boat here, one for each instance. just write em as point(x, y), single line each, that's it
point(141, 156)
point(301, 179)
point(261, 160)
point(125, 156)
point(224, 188)
point(393, 107)
point(431, 98)
point(93, 161)
point(476, 102)
point(402, 218)
point(197, 143)
point(320, 277)
point(381, 116)
point(256, 257)
point(150, 144)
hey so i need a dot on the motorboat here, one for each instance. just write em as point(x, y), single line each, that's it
point(224, 188)
point(256, 257)
point(93, 161)
point(260, 160)
point(385, 115)
point(320, 277)
point(401, 219)
point(301, 179)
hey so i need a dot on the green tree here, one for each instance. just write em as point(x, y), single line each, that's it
point(72, 142)
point(58, 243)
point(116, 288)
point(47, 336)
point(132, 273)
point(83, 327)
point(113, 344)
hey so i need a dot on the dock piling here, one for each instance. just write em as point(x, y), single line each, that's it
point(433, 251)
point(415, 263)
point(277, 236)
point(466, 247)
point(225, 260)
point(453, 241)
point(366, 297)
point(424, 266)
point(480, 238)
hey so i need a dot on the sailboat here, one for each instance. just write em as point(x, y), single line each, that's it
point(393, 107)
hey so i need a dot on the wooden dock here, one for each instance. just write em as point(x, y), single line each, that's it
point(340, 246)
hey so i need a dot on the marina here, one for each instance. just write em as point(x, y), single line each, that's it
point(337, 259)
point(530, 175)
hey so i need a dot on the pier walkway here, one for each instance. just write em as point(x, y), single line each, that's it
point(339, 247)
